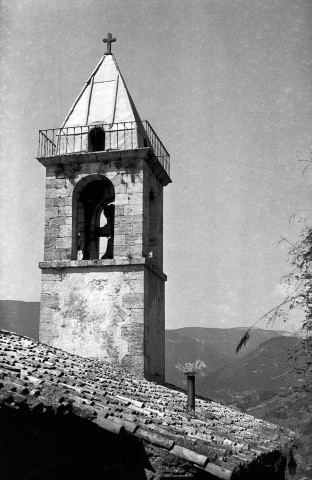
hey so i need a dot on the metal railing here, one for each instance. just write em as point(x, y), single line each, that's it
point(102, 137)
point(157, 146)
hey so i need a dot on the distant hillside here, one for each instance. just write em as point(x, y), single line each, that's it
point(20, 317)
point(265, 368)
point(214, 347)
point(293, 410)
point(260, 365)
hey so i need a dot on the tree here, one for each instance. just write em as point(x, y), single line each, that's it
point(299, 296)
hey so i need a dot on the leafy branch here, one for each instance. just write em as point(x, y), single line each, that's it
point(299, 281)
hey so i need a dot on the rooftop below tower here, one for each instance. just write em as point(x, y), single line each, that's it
point(102, 137)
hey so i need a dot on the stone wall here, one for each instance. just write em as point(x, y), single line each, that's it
point(109, 309)
point(60, 212)
point(152, 217)
point(95, 312)
point(154, 320)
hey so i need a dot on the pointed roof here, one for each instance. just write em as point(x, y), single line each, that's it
point(104, 98)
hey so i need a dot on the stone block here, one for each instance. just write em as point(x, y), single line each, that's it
point(136, 187)
point(49, 202)
point(67, 252)
point(65, 230)
point(51, 231)
point(55, 183)
point(137, 228)
point(136, 250)
point(67, 220)
point(48, 287)
point(135, 198)
point(137, 315)
point(65, 242)
point(119, 240)
point(119, 181)
point(121, 251)
point(50, 300)
point(121, 199)
point(53, 192)
point(128, 251)
point(138, 363)
point(51, 277)
point(46, 313)
point(119, 210)
point(50, 171)
point(51, 212)
point(93, 168)
point(56, 201)
point(135, 209)
point(56, 221)
point(133, 273)
point(49, 242)
point(129, 220)
point(84, 168)
point(123, 229)
point(65, 211)
point(65, 201)
point(51, 254)
point(133, 301)
point(134, 239)
point(137, 286)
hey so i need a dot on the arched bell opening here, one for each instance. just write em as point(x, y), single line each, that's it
point(93, 219)
point(96, 140)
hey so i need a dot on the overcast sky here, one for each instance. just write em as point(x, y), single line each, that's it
point(227, 87)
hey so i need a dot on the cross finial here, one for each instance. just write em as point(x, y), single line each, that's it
point(109, 41)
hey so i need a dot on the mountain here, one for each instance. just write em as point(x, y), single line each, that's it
point(266, 367)
point(212, 348)
point(20, 317)
point(261, 365)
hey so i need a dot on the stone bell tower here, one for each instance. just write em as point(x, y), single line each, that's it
point(103, 284)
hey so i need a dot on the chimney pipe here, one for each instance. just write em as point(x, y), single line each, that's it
point(190, 390)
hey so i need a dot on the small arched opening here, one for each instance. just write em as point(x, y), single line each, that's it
point(93, 218)
point(96, 140)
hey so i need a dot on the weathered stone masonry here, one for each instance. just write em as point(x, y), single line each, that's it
point(111, 309)
point(102, 275)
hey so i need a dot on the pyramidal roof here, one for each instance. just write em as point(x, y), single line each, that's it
point(104, 98)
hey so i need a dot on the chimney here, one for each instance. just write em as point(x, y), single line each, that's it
point(190, 390)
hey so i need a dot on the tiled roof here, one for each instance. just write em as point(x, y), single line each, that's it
point(214, 437)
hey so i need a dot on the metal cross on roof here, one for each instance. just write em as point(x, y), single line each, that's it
point(109, 41)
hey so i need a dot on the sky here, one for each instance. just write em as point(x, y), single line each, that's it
point(226, 85)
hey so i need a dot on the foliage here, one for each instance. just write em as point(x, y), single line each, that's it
point(298, 296)
point(191, 367)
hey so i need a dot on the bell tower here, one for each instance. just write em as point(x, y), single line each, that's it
point(103, 286)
